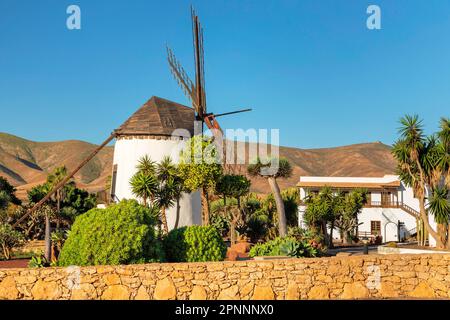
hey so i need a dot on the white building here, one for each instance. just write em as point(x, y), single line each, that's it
point(157, 129)
point(388, 212)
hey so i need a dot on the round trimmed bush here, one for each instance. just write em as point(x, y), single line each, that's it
point(122, 233)
point(194, 244)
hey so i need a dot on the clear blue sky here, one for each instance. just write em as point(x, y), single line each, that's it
point(308, 67)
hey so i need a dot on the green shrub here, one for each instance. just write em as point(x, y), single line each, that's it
point(38, 262)
point(221, 223)
point(194, 244)
point(122, 233)
point(287, 246)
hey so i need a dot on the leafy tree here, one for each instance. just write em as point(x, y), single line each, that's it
point(9, 239)
point(75, 202)
point(5, 199)
point(334, 209)
point(272, 169)
point(8, 191)
point(67, 203)
point(219, 220)
point(347, 208)
point(320, 210)
point(32, 228)
point(200, 169)
point(234, 186)
point(258, 219)
point(37, 193)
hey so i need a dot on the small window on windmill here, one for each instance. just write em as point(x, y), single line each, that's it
point(113, 182)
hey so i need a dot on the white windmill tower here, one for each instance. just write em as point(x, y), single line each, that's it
point(155, 130)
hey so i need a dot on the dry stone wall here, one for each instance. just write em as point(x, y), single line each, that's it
point(355, 277)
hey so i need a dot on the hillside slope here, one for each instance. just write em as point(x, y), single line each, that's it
point(26, 163)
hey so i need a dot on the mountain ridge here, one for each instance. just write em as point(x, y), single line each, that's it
point(26, 163)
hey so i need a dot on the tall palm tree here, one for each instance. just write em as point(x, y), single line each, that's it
point(165, 199)
point(169, 190)
point(178, 190)
point(420, 167)
point(272, 169)
point(439, 206)
point(52, 181)
point(444, 161)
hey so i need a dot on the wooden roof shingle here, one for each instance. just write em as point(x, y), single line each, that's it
point(159, 117)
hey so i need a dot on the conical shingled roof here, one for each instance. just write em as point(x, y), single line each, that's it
point(158, 117)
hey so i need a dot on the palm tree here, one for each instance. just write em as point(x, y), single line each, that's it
point(444, 163)
point(143, 182)
point(52, 181)
point(421, 164)
point(146, 165)
point(143, 186)
point(170, 189)
point(165, 199)
point(272, 169)
point(439, 206)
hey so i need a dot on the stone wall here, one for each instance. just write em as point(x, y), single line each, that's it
point(355, 277)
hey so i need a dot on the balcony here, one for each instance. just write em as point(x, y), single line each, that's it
point(383, 204)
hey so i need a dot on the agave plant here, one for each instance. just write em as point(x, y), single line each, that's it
point(291, 248)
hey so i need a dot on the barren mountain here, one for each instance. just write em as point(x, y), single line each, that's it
point(26, 163)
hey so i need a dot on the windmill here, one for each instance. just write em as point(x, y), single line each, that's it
point(195, 91)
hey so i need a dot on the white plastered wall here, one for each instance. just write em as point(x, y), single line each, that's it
point(127, 153)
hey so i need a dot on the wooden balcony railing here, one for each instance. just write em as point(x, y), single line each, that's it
point(383, 204)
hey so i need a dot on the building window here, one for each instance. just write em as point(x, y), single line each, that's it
point(375, 228)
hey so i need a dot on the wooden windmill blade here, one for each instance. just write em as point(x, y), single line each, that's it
point(197, 33)
point(182, 78)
